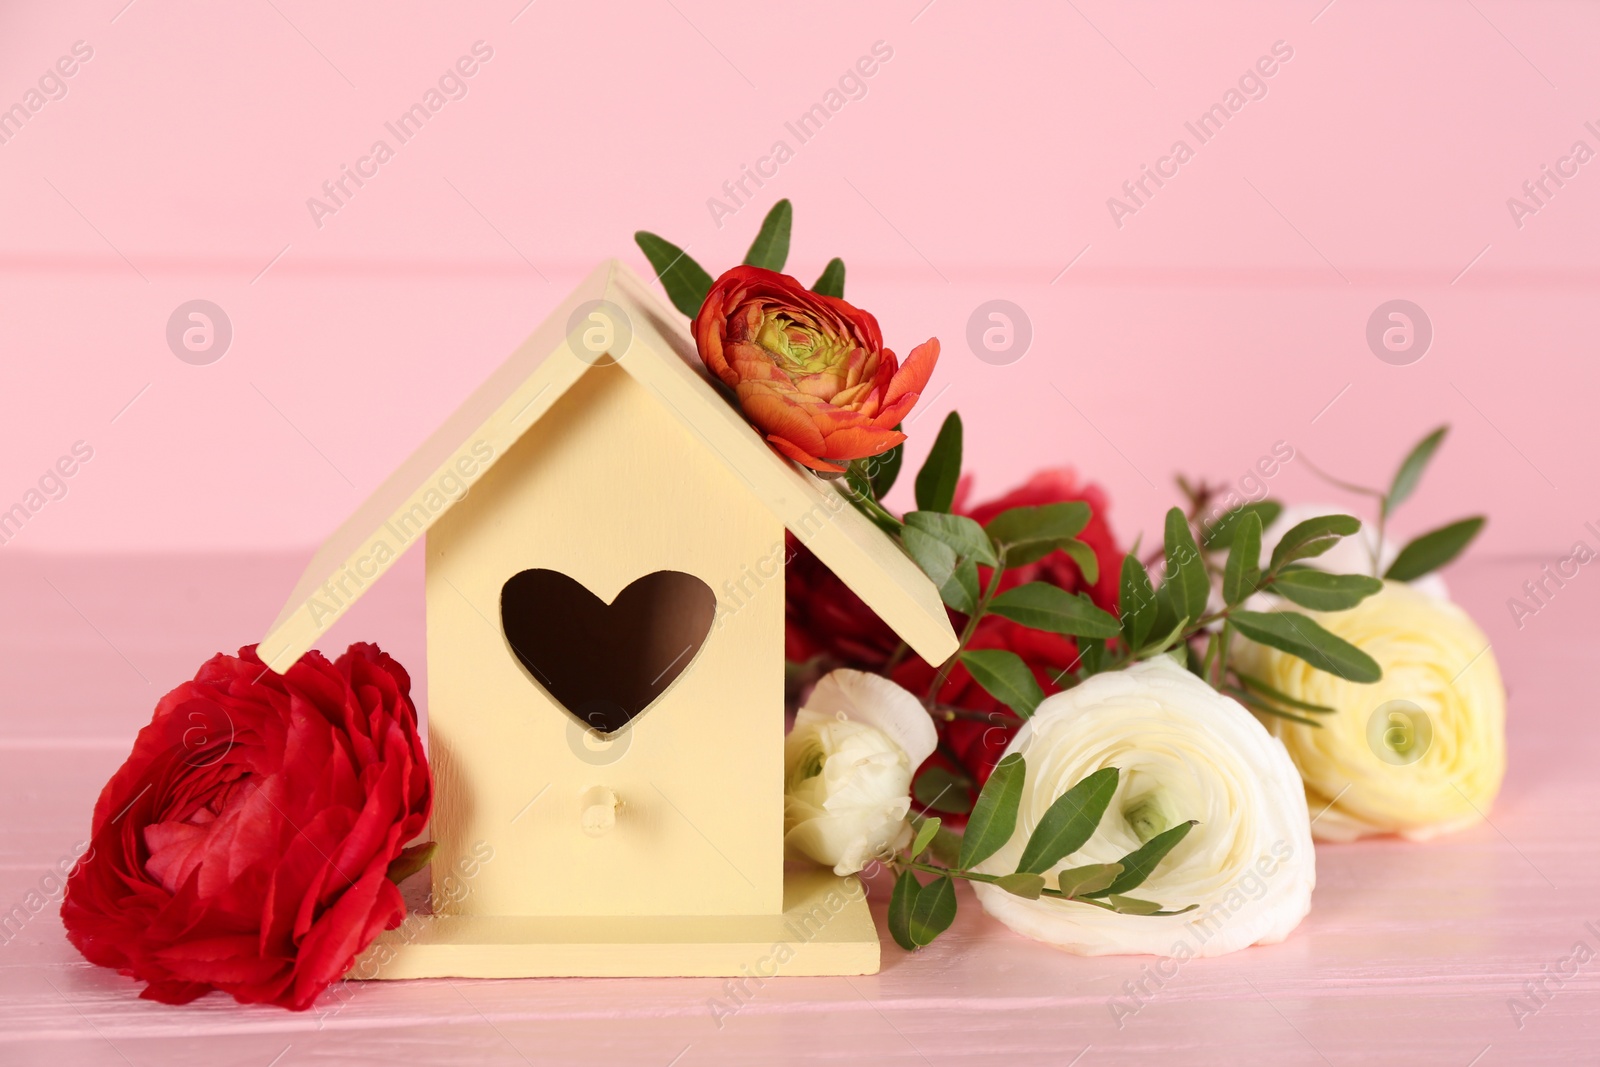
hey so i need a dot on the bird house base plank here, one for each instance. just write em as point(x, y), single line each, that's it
point(825, 929)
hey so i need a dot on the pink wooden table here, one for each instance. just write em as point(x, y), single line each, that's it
point(1410, 955)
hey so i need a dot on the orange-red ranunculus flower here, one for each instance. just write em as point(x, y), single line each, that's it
point(810, 371)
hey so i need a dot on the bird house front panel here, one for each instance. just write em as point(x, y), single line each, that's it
point(605, 673)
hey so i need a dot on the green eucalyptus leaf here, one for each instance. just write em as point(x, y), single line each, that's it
point(1299, 635)
point(936, 481)
point(1141, 862)
point(1027, 886)
point(961, 590)
point(1005, 677)
point(959, 532)
point(1266, 707)
point(1088, 563)
point(937, 559)
point(1312, 538)
point(770, 249)
point(1171, 643)
point(1091, 878)
point(1221, 533)
point(1409, 475)
point(411, 860)
point(901, 901)
point(946, 847)
point(1168, 621)
point(1186, 569)
point(925, 835)
point(1131, 906)
point(1043, 606)
point(884, 469)
point(1069, 822)
point(1243, 570)
point(1434, 549)
point(966, 539)
point(994, 816)
point(1091, 656)
point(1030, 533)
point(939, 790)
point(831, 283)
point(1321, 591)
point(1137, 602)
point(685, 281)
point(1256, 685)
point(934, 910)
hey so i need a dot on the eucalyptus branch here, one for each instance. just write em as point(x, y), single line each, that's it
point(858, 489)
point(1349, 487)
point(1226, 636)
point(990, 879)
point(942, 675)
point(919, 912)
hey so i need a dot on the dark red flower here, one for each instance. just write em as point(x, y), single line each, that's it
point(1054, 486)
point(826, 619)
point(245, 843)
point(810, 371)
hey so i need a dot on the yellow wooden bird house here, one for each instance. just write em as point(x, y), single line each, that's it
point(605, 618)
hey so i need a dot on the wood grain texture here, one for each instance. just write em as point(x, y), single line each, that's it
point(1410, 954)
point(825, 927)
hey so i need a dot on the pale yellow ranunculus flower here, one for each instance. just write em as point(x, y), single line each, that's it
point(1419, 753)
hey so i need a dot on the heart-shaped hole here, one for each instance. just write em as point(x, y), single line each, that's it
point(606, 663)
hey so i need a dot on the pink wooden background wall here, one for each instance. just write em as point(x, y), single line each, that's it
point(1226, 313)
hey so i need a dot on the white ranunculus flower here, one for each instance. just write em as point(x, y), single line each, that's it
point(847, 770)
point(1352, 555)
point(1184, 751)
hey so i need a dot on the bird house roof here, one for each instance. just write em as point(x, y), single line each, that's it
point(660, 356)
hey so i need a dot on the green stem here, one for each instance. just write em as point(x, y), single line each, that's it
point(876, 511)
point(949, 713)
point(979, 876)
point(1377, 545)
point(1222, 653)
point(1349, 487)
point(858, 487)
point(1211, 656)
point(942, 675)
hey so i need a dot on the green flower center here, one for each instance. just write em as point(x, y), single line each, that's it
point(1146, 817)
point(810, 763)
point(799, 350)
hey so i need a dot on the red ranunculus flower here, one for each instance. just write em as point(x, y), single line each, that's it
point(810, 371)
point(245, 844)
point(824, 618)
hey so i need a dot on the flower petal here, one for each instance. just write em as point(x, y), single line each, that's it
point(913, 375)
point(802, 457)
point(780, 415)
point(876, 701)
point(859, 442)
